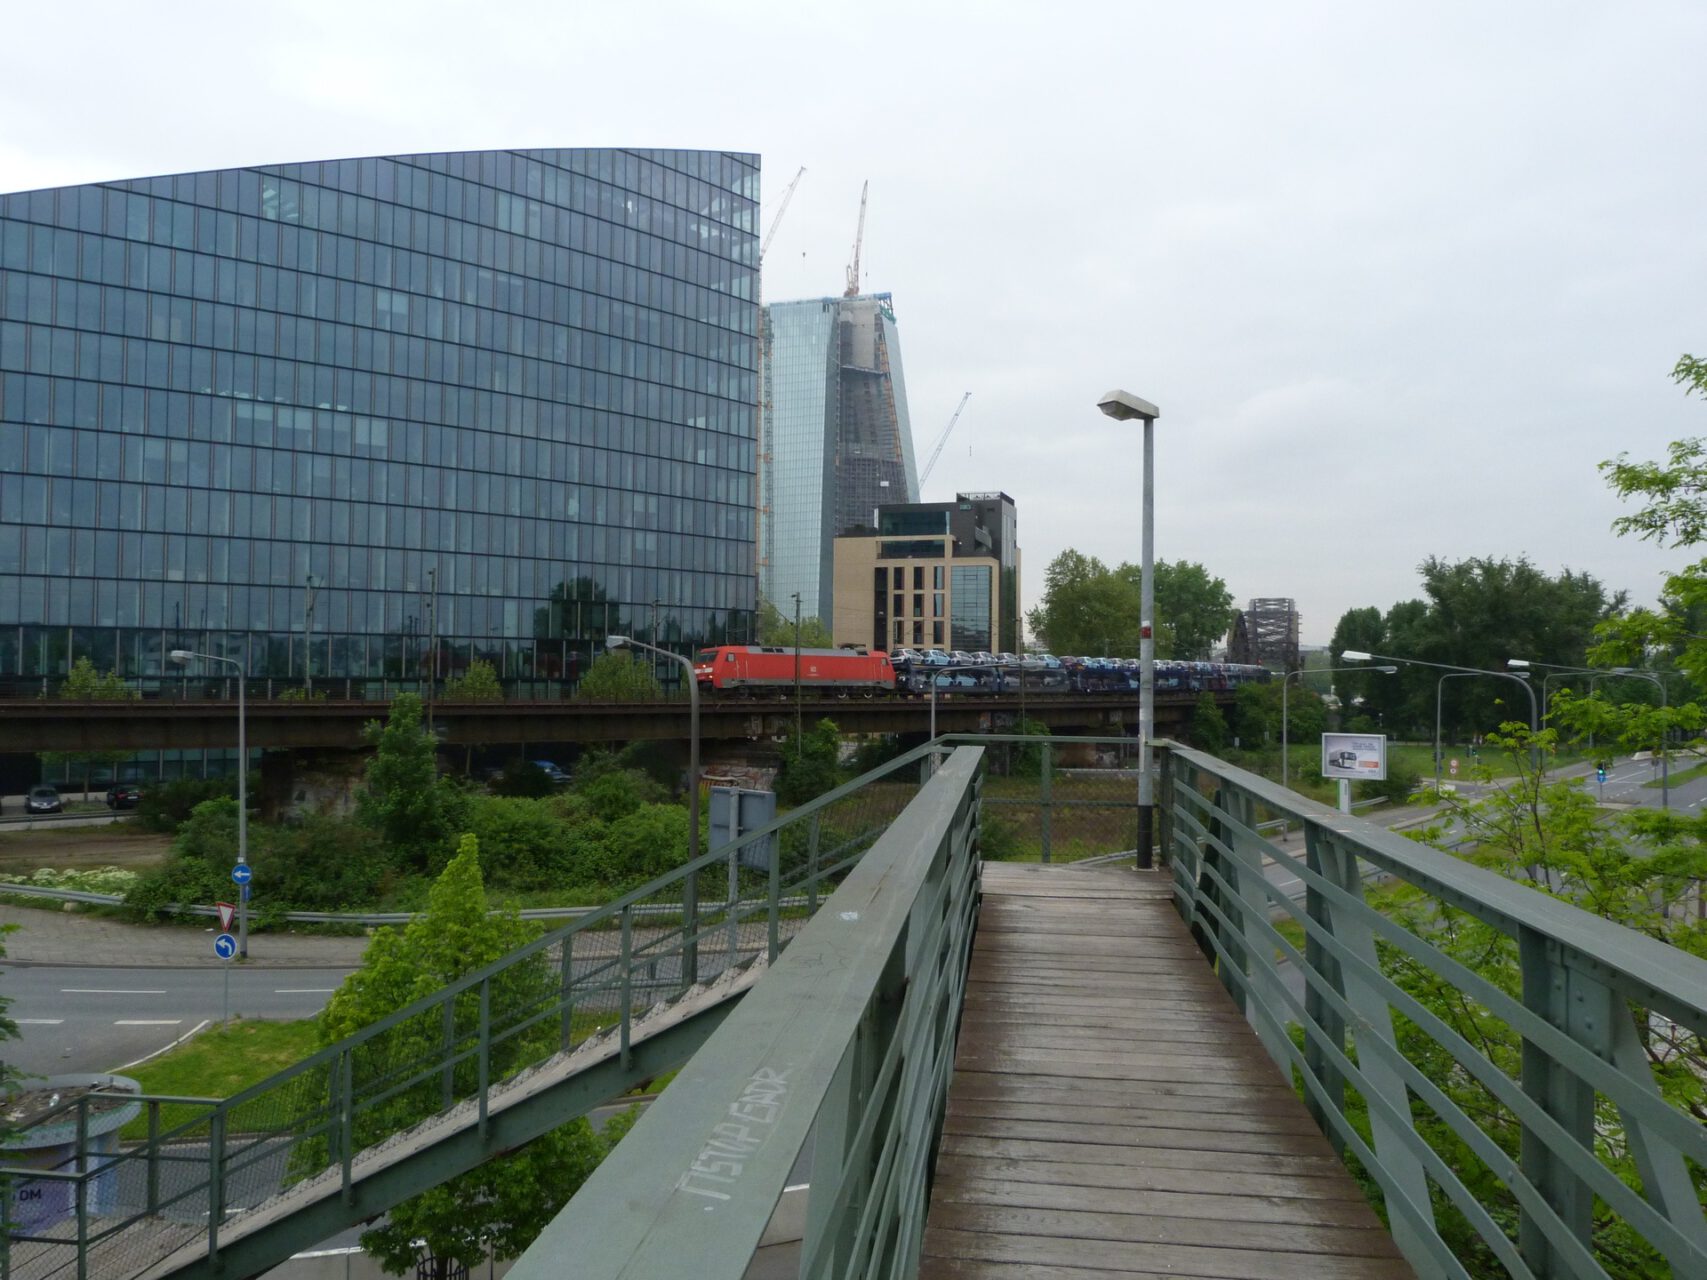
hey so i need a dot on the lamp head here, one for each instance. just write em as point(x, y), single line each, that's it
point(615, 642)
point(180, 656)
point(1517, 662)
point(1386, 671)
point(1123, 405)
point(1352, 655)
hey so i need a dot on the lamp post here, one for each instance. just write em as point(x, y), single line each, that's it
point(1352, 655)
point(690, 886)
point(1123, 406)
point(182, 657)
point(1285, 775)
point(797, 712)
point(1593, 675)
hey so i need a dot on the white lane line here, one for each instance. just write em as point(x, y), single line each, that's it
point(137, 1062)
point(106, 991)
point(38, 1022)
point(148, 1022)
point(303, 991)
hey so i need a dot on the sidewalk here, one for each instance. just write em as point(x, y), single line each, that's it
point(68, 938)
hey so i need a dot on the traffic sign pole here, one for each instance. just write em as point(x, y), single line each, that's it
point(241, 874)
point(225, 947)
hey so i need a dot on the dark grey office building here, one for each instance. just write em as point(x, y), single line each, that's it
point(490, 404)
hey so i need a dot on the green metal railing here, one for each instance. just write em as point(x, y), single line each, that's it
point(322, 1135)
point(849, 1040)
point(1572, 1161)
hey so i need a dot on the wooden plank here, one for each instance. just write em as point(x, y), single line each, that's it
point(1112, 1113)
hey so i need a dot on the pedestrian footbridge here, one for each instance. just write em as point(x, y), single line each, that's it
point(1050, 1064)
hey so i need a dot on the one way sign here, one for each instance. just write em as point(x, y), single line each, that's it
point(227, 913)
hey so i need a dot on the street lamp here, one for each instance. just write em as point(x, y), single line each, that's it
point(1123, 406)
point(943, 671)
point(1594, 674)
point(1285, 776)
point(182, 658)
point(690, 886)
point(1352, 655)
point(798, 747)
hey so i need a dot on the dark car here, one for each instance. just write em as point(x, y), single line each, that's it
point(124, 795)
point(43, 799)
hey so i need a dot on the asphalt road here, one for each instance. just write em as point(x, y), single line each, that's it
point(86, 1019)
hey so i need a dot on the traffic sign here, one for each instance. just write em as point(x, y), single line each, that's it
point(245, 893)
point(227, 913)
point(1454, 766)
point(225, 946)
point(242, 872)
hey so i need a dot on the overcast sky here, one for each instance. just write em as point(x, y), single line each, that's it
point(1398, 277)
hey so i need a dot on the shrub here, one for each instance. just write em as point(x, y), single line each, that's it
point(524, 780)
point(644, 844)
point(320, 864)
point(198, 869)
point(167, 806)
point(615, 793)
point(522, 840)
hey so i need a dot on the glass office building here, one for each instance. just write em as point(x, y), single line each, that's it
point(374, 418)
point(836, 439)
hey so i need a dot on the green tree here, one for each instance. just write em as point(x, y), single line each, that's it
point(85, 684)
point(478, 684)
point(1193, 609)
point(776, 629)
point(810, 763)
point(503, 1204)
point(1085, 608)
point(405, 800)
point(1208, 725)
point(615, 676)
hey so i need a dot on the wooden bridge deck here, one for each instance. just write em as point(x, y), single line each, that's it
point(1112, 1114)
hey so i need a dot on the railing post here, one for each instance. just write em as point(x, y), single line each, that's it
point(347, 1123)
point(215, 1179)
point(774, 907)
point(1164, 809)
point(448, 1075)
point(734, 880)
point(485, 1050)
point(812, 863)
point(627, 984)
point(1046, 798)
point(153, 1156)
point(1319, 961)
point(83, 1220)
point(1547, 991)
point(690, 929)
point(5, 1227)
point(566, 985)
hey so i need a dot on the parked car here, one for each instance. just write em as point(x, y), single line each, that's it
point(124, 795)
point(550, 770)
point(43, 799)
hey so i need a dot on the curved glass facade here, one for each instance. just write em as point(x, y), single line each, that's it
point(381, 416)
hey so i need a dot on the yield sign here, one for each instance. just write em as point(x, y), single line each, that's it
point(227, 912)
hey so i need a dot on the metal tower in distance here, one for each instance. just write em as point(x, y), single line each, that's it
point(1267, 634)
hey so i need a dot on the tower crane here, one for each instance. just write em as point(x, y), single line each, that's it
point(859, 237)
point(936, 451)
point(781, 209)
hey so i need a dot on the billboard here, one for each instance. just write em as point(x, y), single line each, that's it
point(1359, 756)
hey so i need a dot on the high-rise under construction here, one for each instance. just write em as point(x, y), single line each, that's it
point(835, 441)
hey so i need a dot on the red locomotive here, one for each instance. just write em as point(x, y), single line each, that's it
point(748, 669)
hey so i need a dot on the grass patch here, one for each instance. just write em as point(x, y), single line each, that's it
point(1679, 776)
point(222, 1061)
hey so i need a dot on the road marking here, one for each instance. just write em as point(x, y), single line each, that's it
point(148, 1022)
point(105, 991)
point(38, 1022)
point(303, 991)
point(137, 1062)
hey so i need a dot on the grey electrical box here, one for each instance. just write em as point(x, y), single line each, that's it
point(734, 812)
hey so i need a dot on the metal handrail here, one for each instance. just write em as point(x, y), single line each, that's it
point(1585, 983)
point(324, 1109)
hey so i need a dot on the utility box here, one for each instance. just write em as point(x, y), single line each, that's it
point(734, 812)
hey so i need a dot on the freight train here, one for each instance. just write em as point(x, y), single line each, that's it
point(769, 670)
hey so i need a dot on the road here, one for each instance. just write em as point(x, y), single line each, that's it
point(95, 1019)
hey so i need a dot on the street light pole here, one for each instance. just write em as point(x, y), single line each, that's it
point(797, 714)
point(182, 657)
point(1352, 655)
point(1124, 406)
point(1594, 674)
point(943, 671)
point(690, 886)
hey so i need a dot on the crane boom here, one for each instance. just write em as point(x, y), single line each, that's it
point(859, 237)
point(943, 439)
point(781, 209)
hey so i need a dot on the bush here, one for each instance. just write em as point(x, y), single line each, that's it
point(616, 793)
point(166, 807)
point(524, 780)
point(522, 840)
point(643, 845)
point(198, 870)
point(320, 864)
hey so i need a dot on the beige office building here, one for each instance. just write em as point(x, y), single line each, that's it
point(941, 575)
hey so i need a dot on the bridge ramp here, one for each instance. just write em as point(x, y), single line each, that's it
point(1112, 1112)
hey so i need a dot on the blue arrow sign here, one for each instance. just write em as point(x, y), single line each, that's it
point(242, 872)
point(225, 946)
point(245, 893)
